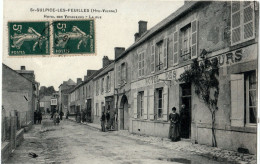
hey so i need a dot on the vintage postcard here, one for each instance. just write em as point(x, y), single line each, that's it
point(132, 81)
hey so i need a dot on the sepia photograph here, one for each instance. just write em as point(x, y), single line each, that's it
point(130, 82)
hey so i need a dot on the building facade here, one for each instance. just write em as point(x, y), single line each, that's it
point(45, 104)
point(64, 89)
point(104, 92)
point(226, 31)
point(19, 92)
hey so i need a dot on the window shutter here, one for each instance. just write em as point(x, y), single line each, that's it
point(151, 104)
point(143, 54)
point(175, 47)
point(165, 53)
point(194, 39)
point(119, 75)
point(165, 103)
point(235, 22)
point(145, 116)
point(139, 64)
point(135, 105)
point(153, 57)
point(237, 100)
point(125, 72)
point(248, 20)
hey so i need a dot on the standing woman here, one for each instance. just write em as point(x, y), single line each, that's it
point(174, 131)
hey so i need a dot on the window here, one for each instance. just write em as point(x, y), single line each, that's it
point(242, 21)
point(97, 87)
point(251, 98)
point(141, 64)
point(102, 85)
point(159, 56)
point(159, 102)
point(186, 42)
point(140, 107)
point(123, 73)
point(89, 91)
point(83, 92)
point(108, 84)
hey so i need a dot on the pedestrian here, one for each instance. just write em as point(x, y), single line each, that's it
point(184, 121)
point(108, 119)
point(56, 118)
point(67, 114)
point(35, 117)
point(174, 130)
point(39, 117)
point(103, 119)
point(115, 124)
point(61, 114)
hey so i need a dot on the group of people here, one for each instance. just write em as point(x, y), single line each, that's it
point(107, 123)
point(37, 117)
point(179, 123)
point(57, 116)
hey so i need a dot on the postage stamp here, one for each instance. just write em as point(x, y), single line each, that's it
point(73, 37)
point(29, 38)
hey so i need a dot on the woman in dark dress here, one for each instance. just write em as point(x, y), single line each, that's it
point(174, 131)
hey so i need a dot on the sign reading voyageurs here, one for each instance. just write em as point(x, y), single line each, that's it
point(73, 37)
point(28, 38)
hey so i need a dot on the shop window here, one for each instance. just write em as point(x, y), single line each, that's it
point(242, 21)
point(140, 107)
point(159, 96)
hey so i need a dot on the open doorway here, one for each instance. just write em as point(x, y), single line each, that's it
point(124, 115)
point(185, 111)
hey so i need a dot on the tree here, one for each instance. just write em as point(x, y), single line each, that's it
point(204, 77)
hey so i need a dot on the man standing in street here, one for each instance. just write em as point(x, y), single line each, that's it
point(108, 119)
point(103, 119)
point(185, 121)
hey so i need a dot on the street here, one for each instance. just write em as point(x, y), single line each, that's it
point(70, 142)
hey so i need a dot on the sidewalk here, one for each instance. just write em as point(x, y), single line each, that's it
point(216, 153)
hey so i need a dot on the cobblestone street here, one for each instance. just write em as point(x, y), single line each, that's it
point(76, 143)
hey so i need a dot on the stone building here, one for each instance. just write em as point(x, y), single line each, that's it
point(19, 91)
point(104, 90)
point(76, 99)
point(64, 89)
point(147, 73)
point(45, 104)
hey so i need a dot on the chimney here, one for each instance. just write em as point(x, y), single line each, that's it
point(136, 36)
point(119, 51)
point(85, 78)
point(106, 61)
point(23, 67)
point(142, 27)
point(79, 80)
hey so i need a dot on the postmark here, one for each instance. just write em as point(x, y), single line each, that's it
point(29, 38)
point(74, 37)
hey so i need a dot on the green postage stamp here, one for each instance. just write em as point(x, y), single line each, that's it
point(28, 38)
point(73, 37)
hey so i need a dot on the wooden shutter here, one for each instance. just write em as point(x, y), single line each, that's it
point(152, 57)
point(194, 39)
point(165, 103)
point(248, 20)
point(135, 104)
point(175, 47)
point(145, 116)
point(119, 75)
point(235, 22)
point(142, 68)
point(165, 53)
point(237, 100)
point(151, 104)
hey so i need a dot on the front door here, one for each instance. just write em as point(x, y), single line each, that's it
point(185, 111)
point(124, 116)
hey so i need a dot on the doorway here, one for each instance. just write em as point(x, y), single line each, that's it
point(185, 112)
point(124, 115)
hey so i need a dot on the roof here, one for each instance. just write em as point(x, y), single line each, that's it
point(46, 98)
point(165, 22)
point(18, 73)
point(105, 70)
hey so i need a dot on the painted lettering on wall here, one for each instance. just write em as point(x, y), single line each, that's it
point(152, 80)
point(229, 58)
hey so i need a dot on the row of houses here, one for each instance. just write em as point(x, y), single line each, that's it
point(141, 84)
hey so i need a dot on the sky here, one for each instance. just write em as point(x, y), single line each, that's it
point(112, 30)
